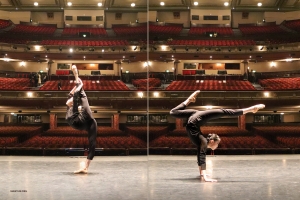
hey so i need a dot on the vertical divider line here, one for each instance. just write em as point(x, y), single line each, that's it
point(147, 94)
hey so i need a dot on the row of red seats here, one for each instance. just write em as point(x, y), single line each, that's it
point(62, 72)
point(142, 30)
point(4, 23)
point(81, 142)
point(289, 141)
point(293, 24)
point(168, 29)
point(136, 30)
point(212, 42)
point(220, 130)
point(252, 30)
point(226, 142)
point(210, 85)
point(72, 31)
point(18, 130)
point(88, 85)
point(8, 141)
point(277, 130)
point(14, 41)
point(203, 30)
point(86, 42)
point(142, 84)
point(69, 131)
point(14, 83)
point(27, 29)
point(280, 83)
point(141, 131)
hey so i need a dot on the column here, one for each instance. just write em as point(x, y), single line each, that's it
point(53, 121)
point(179, 123)
point(115, 121)
point(242, 122)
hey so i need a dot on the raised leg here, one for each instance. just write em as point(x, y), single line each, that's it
point(180, 111)
point(253, 109)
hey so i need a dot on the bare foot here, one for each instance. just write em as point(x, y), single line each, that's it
point(81, 171)
point(258, 107)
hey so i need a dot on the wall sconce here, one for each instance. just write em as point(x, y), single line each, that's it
point(140, 94)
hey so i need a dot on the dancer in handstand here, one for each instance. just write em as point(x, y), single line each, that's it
point(79, 116)
point(196, 118)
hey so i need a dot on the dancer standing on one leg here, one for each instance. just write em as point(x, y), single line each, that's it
point(79, 116)
point(196, 118)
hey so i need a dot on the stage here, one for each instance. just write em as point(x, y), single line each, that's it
point(151, 177)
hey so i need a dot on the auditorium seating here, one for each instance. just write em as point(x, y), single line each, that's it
point(69, 131)
point(8, 141)
point(142, 84)
point(13, 135)
point(141, 131)
point(35, 30)
point(14, 83)
point(280, 83)
point(253, 30)
point(166, 29)
point(210, 42)
point(220, 130)
point(5, 23)
point(18, 130)
point(91, 43)
point(231, 138)
point(289, 141)
point(135, 137)
point(278, 130)
point(225, 31)
point(293, 24)
point(104, 85)
point(142, 30)
point(55, 142)
point(233, 85)
point(128, 30)
point(283, 135)
point(5, 39)
point(74, 31)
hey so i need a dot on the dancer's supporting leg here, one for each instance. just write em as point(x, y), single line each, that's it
point(90, 127)
point(92, 137)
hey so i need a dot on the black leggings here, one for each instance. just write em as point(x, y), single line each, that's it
point(195, 119)
point(87, 122)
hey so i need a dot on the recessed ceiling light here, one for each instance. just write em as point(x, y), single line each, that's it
point(133, 4)
point(69, 3)
point(259, 4)
point(196, 3)
point(162, 3)
point(99, 4)
point(226, 4)
point(35, 3)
